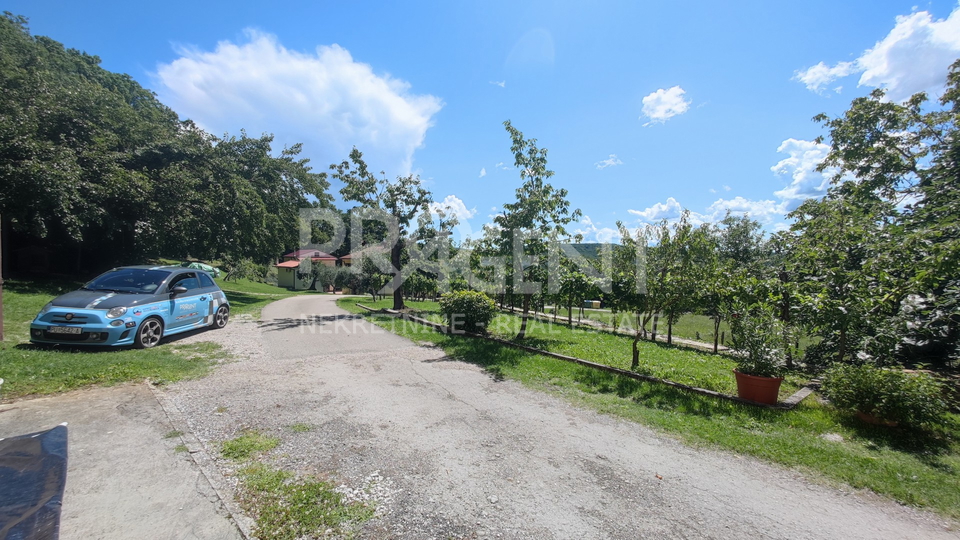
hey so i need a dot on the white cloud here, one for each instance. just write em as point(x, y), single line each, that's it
point(662, 105)
point(501, 84)
point(912, 58)
point(766, 211)
point(820, 75)
point(670, 209)
point(609, 162)
point(801, 167)
point(325, 99)
point(452, 205)
point(593, 233)
point(483, 172)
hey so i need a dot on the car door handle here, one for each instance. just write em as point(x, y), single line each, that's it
point(203, 298)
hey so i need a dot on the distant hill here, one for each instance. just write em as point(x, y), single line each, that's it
point(588, 250)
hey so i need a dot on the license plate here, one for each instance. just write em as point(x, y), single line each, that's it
point(65, 330)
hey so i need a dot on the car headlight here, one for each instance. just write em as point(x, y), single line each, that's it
point(46, 308)
point(116, 312)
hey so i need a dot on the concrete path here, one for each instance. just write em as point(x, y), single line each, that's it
point(125, 478)
point(450, 452)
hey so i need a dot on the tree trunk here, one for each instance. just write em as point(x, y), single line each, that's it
point(716, 334)
point(670, 330)
point(656, 321)
point(395, 252)
point(523, 320)
point(636, 352)
point(570, 311)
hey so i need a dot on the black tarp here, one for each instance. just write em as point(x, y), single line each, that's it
point(33, 473)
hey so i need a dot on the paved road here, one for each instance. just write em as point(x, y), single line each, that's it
point(448, 451)
point(125, 478)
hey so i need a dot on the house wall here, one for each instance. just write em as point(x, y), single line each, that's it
point(286, 277)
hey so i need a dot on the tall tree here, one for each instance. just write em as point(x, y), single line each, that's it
point(890, 284)
point(401, 199)
point(539, 215)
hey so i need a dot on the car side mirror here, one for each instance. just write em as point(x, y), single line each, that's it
point(179, 289)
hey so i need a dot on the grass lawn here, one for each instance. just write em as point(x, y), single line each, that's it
point(689, 326)
point(685, 366)
point(249, 297)
point(28, 369)
point(696, 327)
point(912, 467)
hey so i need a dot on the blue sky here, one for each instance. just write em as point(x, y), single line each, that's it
point(645, 107)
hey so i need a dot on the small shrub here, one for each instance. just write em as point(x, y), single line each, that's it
point(889, 394)
point(758, 338)
point(468, 311)
point(237, 269)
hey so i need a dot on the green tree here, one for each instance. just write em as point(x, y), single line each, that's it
point(91, 160)
point(629, 282)
point(887, 290)
point(401, 200)
point(539, 216)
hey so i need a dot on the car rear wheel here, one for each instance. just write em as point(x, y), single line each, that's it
point(221, 317)
point(149, 333)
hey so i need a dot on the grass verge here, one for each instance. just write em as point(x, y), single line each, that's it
point(284, 507)
point(33, 370)
point(289, 509)
point(912, 467)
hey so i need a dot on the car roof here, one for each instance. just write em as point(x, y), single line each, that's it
point(147, 267)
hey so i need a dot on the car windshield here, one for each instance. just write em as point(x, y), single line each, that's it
point(129, 280)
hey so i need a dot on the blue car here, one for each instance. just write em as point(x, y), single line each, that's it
point(133, 305)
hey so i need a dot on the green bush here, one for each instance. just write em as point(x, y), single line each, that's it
point(758, 338)
point(889, 394)
point(468, 311)
point(238, 269)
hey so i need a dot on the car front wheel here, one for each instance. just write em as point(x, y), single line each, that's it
point(221, 317)
point(149, 333)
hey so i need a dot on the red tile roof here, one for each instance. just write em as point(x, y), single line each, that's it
point(288, 264)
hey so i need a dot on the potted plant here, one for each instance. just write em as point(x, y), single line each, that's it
point(885, 396)
point(760, 359)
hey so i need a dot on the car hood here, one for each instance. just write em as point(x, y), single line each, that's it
point(104, 299)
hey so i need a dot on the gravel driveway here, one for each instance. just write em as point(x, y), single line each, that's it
point(447, 451)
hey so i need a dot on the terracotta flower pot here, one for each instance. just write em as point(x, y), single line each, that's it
point(871, 419)
point(759, 389)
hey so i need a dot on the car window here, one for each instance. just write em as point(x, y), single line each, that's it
point(189, 281)
point(129, 280)
point(205, 280)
